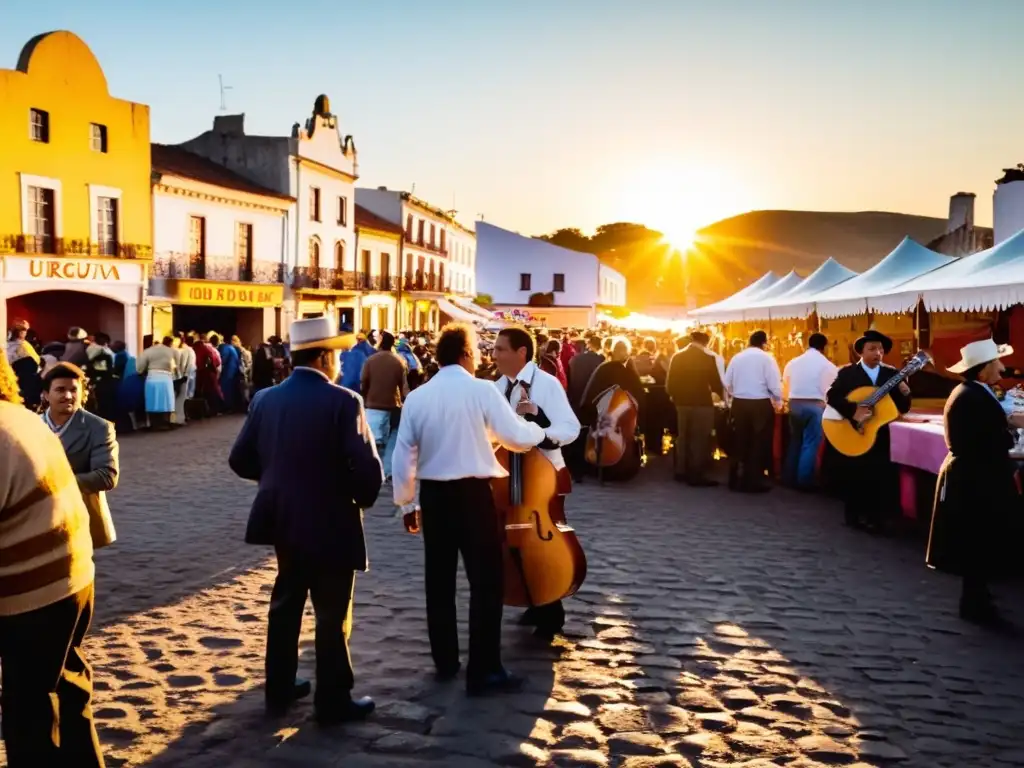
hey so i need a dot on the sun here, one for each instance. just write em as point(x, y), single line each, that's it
point(679, 201)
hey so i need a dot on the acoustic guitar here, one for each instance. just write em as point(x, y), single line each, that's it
point(853, 440)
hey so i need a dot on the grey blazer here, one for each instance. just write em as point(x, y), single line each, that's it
point(90, 444)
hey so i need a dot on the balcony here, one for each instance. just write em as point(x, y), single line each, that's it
point(368, 282)
point(181, 266)
point(425, 245)
point(424, 281)
point(324, 278)
point(46, 245)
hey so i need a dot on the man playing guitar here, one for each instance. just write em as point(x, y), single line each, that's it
point(537, 397)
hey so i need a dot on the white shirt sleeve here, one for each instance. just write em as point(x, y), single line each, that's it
point(565, 427)
point(508, 429)
point(403, 460)
point(773, 379)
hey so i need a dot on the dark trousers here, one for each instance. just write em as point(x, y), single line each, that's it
point(47, 686)
point(330, 589)
point(574, 455)
point(753, 422)
point(693, 450)
point(459, 517)
point(870, 485)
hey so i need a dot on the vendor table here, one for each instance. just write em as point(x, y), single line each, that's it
point(919, 447)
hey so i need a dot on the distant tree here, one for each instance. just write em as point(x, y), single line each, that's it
point(483, 299)
point(569, 237)
point(541, 300)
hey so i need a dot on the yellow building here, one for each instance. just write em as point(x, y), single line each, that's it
point(75, 206)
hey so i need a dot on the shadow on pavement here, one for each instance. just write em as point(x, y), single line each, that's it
point(180, 516)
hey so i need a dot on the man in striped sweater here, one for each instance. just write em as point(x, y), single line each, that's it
point(46, 595)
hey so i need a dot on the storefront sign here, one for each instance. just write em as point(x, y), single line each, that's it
point(71, 270)
point(210, 293)
point(514, 315)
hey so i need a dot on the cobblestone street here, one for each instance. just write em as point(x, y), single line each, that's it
point(713, 630)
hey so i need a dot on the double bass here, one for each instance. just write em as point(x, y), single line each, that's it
point(543, 559)
point(612, 441)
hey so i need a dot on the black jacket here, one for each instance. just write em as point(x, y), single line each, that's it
point(976, 492)
point(581, 368)
point(693, 377)
point(853, 376)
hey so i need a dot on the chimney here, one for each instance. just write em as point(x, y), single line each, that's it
point(229, 125)
point(382, 189)
point(961, 211)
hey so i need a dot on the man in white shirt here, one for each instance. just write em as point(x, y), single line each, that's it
point(753, 382)
point(805, 383)
point(444, 441)
point(539, 398)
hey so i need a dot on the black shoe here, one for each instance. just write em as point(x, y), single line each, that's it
point(301, 690)
point(346, 712)
point(499, 682)
point(446, 674)
point(528, 618)
point(703, 483)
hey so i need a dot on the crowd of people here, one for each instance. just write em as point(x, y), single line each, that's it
point(430, 407)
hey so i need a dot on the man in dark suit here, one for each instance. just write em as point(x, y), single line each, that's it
point(308, 444)
point(89, 443)
point(868, 483)
point(692, 379)
point(581, 368)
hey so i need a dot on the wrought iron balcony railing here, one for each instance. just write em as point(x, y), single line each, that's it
point(196, 267)
point(425, 281)
point(47, 245)
point(426, 245)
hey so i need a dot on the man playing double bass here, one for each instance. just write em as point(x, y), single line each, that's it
point(868, 483)
point(539, 398)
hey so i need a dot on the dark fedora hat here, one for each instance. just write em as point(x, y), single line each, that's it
point(872, 335)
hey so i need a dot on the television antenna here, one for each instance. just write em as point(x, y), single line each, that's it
point(223, 93)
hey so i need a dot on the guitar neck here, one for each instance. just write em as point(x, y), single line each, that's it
point(891, 384)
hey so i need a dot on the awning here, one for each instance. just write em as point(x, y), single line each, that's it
point(456, 313)
point(475, 309)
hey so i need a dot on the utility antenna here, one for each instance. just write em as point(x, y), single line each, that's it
point(223, 93)
point(480, 216)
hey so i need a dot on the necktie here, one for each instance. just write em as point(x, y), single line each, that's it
point(509, 388)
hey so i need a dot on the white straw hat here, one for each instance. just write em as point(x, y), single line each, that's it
point(979, 353)
point(318, 332)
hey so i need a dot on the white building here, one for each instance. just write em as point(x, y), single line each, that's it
point(566, 287)
point(1008, 205)
point(219, 246)
point(429, 237)
point(317, 166)
point(378, 248)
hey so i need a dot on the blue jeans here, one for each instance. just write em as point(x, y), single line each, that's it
point(383, 436)
point(805, 438)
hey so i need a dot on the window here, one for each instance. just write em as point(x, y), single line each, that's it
point(106, 225)
point(365, 265)
point(41, 220)
point(433, 234)
point(339, 254)
point(314, 253)
point(243, 250)
point(367, 320)
point(524, 281)
point(197, 246)
point(442, 239)
point(343, 211)
point(559, 283)
point(408, 226)
point(385, 267)
point(98, 137)
point(314, 203)
point(420, 238)
point(39, 125)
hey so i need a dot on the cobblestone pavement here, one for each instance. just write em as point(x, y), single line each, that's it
point(713, 630)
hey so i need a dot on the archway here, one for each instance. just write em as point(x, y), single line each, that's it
point(51, 313)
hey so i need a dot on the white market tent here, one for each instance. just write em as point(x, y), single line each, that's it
point(748, 294)
point(799, 301)
point(990, 279)
point(740, 311)
point(458, 314)
point(907, 260)
point(469, 306)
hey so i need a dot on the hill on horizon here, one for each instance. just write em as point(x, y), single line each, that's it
point(734, 252)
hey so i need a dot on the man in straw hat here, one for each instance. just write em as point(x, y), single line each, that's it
point(868, 483)
point(307, 443)
point(976, 488)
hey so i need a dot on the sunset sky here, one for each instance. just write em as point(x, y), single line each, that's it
point(549, 113)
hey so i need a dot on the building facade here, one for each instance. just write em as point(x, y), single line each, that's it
point(462, 260)
point(378, 255)
point(554, 286)
point(220, 245)
point(75, 220)
point(316, 166)
point(428, 235)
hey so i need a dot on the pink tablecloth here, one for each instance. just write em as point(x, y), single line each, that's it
point(922, 446)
